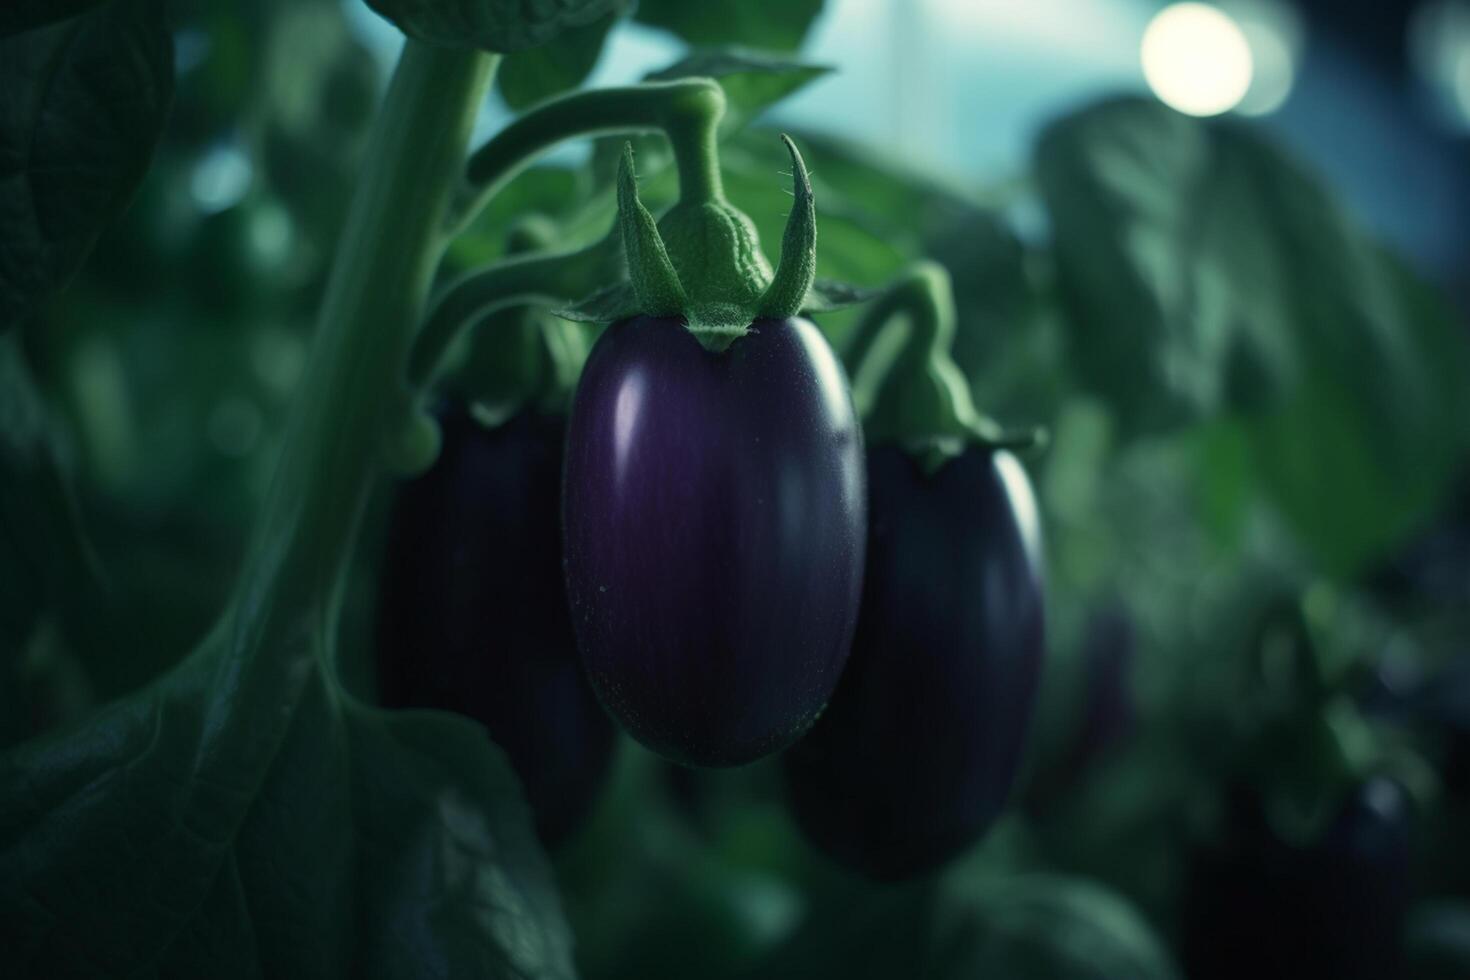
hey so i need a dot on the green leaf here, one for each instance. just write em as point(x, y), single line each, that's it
point(530, 76)
point(1000, 333)
point(243, 816)
point(1124, 184)
point(1204, 272)
point(24, 15)
point(48, 570)
point(829, 295)
point(85, 101)
point(490, 25)
point(778, 24)
point(542, 190)
point(1047, 926)
point(608, 305)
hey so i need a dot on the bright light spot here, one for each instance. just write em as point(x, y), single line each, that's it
point(220, 178)
point(1274, 71)
point(1439, 44)
point(626, 411)
point(1274, 32)
point(1196, 59)
point(1022, 499)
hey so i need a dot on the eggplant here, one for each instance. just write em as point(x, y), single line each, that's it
point(473, 615)
point(714, 507)
point(917, 754)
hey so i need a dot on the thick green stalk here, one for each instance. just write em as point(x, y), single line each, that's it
point(393, 240)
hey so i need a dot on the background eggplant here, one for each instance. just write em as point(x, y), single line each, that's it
point(917, 753)
point(714, 511)
point(473, 613)
point(1259, 905)
point(1107, 709)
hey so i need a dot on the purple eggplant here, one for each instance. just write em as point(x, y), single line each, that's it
point(473, 613)
point(714, 507)
point(917, 753)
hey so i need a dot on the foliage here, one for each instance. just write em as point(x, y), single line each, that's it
point(1251, 402)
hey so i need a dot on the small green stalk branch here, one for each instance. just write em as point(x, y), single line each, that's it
point(392, 243)
point(923, 401)
point(687, 111)
point(541, 279)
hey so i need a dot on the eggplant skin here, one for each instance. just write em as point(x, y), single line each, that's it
point(473, 614)
point(1260, 906)
point(917, 754)
point(714, 507)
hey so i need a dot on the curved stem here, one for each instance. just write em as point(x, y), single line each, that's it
point(548, 279)
point(687, 110)
point(924, 399)
point(695, 137)
point(923, 294)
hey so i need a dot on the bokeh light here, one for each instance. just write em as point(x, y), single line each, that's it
point(1196, 59)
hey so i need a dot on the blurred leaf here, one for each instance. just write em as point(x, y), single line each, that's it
point(530, 76)
point(491, 25)
point(546, 190)
point(1205, 272)
point(46, 563)
point(224, 53)
point(322, 88)
point(1225, 484)
point(650, 900)
point(753, 80)
point(85, 101)
point(1046, 926)
point(25, 15)
point(1005, 334)
point(1437, 944)
point(777, 24)
point(1125, 184)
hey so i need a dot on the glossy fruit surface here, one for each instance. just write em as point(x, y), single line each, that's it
point(473, 613)
point(714, 511)
point(916, 754)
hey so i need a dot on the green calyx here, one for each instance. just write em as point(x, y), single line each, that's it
point(919, 398)
point(702, 260)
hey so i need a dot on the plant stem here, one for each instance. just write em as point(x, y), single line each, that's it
point(922, 293)
point(392, 243)
point(560, 278)
point(924, 400)
point(688, 111)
